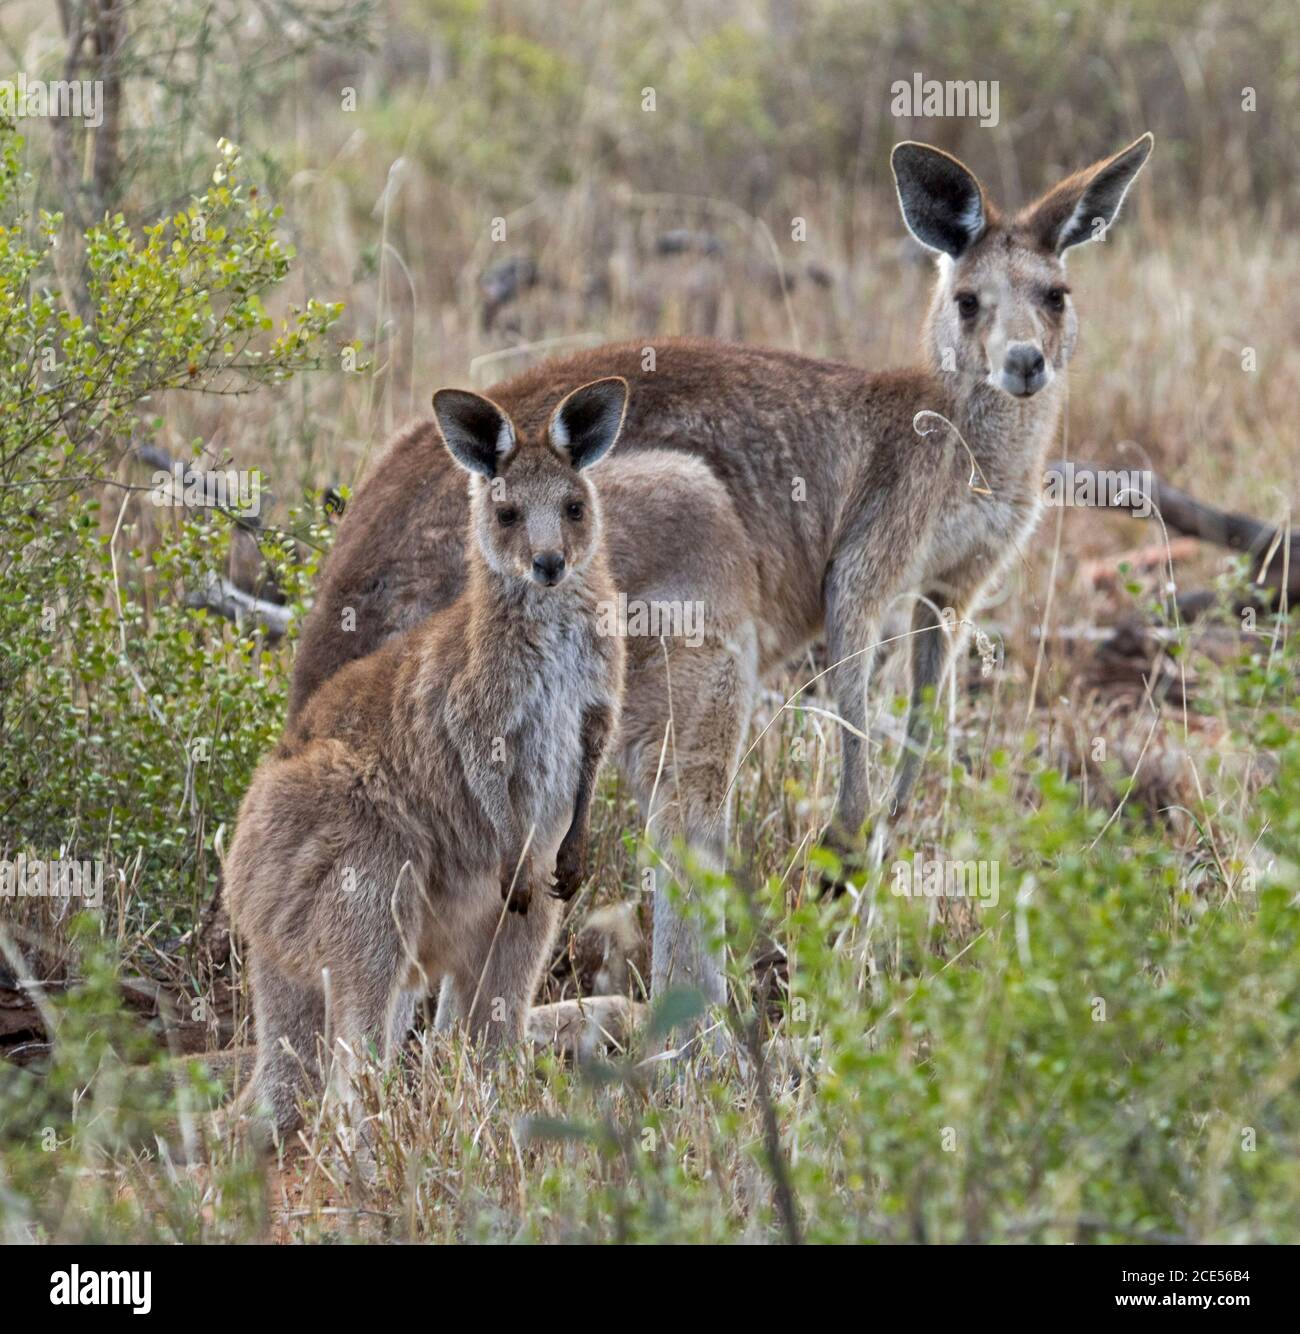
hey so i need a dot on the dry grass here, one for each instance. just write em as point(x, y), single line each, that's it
point(1167, 307)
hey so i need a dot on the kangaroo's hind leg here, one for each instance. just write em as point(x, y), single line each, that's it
point(378, 923)
point(371, 1016)
point(290, 1020)
point(451, 1005)
point(494, 986)
point(684, 719)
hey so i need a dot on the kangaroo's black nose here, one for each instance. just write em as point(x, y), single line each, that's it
point(1024, 359)
point(548, 567)
point(1024, 368)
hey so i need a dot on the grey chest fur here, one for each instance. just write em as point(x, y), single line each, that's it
point(545, 733)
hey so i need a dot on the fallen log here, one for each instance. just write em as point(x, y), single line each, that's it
point(1273, 552)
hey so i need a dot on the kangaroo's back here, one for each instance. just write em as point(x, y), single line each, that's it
point(779, 434)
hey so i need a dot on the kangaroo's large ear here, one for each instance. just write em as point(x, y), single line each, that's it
point(942, 202)
point(587, 421)
point(1084, 205)
point(478, 435)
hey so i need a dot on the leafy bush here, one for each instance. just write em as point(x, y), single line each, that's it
point(129, 722)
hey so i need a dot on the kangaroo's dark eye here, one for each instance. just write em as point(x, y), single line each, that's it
point(574, 510)
point(968, 305)
point(1056, 299)
point(507, 515)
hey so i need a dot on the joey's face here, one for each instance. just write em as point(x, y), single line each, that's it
point(1003, 309)
point(534, 510)
point(539, 519)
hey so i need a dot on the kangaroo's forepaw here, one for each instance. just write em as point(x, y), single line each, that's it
point(570, 871)
point(519, 895)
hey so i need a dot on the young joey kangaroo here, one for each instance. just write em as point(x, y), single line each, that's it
point(449, 770)
point(787, 497)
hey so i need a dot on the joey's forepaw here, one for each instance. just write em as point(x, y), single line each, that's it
point(570, 872)
point(520, 895)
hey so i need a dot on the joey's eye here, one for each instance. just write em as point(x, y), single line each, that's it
point(574, 510)
point(1056, 299)
point(968, 305)
point(507, 515)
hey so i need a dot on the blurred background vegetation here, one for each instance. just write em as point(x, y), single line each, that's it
point(445, 191)
point(395, 133)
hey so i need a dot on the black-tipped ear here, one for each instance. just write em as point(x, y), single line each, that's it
point(587, 421)
point(478, 435)
point(942, 202)
point(1083, 206)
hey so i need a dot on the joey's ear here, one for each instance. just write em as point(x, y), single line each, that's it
point(1084, 205)
point(477, 433)
point(942, 202)
point(587, 421)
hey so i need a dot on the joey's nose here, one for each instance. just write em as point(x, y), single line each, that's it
point(548, 568)
point(1024, 371)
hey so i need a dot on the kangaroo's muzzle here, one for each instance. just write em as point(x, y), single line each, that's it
point(1024, 370)
point(548, 568)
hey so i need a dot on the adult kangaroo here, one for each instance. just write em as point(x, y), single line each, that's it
point(787, 496)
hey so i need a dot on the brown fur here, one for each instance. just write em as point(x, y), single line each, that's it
point(792, 496)
point(449, 769)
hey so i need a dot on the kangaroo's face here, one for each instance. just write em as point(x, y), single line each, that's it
point(1001, 310)
point(1005, 312)
point(534, 511)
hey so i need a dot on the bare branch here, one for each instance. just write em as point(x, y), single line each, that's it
point(219, 595)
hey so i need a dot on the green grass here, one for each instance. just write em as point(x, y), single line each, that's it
point(1108, 1053)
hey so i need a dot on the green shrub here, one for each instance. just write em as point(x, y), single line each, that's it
point(129, 722)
